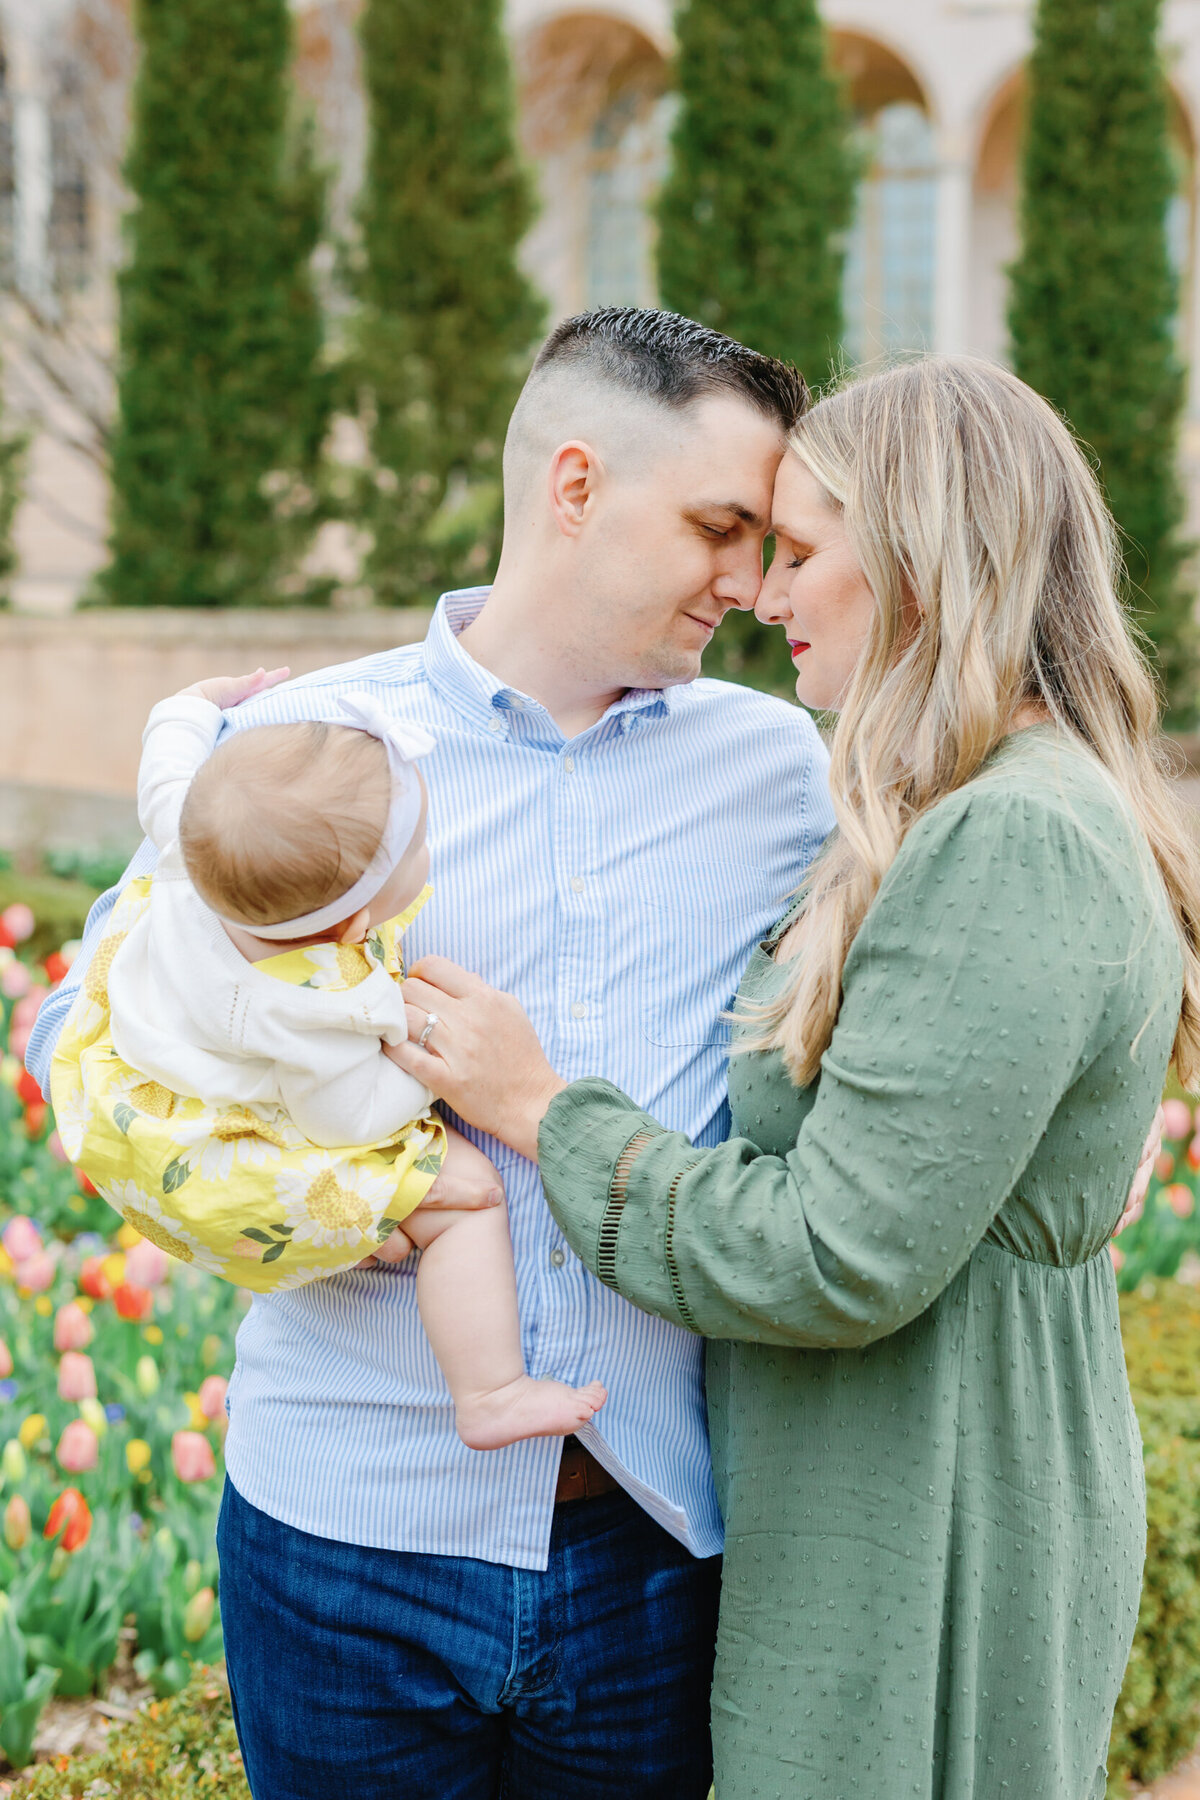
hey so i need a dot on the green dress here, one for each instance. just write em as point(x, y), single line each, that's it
point(922, 1434)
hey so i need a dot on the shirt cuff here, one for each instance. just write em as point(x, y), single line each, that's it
point(589, 1139)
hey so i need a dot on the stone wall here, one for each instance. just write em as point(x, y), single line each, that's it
point(75, 692)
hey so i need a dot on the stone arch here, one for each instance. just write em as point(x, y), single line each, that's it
point(595, 112)
point(891, 256)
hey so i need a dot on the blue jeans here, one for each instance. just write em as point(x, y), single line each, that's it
point(373, 1673)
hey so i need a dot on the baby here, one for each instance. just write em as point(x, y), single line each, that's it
point(261, 979)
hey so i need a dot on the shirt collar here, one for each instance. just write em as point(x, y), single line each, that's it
point(480, 696)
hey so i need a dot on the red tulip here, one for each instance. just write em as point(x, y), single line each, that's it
point(78, 1447)
point(93, 1280)
point(76, 1376)
point(85, 1186)
point(56, 966)
point(72, 1328)
point(28, 1091)
point(133, 1302)
point(35, 1120)
point(71, 1515)
point(192, 1456)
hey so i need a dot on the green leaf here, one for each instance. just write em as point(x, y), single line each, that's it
point(175, 1174)
point(274, 1253)
point(124, 1116)
point(259, 1237)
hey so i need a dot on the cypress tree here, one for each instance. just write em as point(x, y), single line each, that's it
point(1094, 297)
point(222, 402)
point(447, 320)
point(753, 213)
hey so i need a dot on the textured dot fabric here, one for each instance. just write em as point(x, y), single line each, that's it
point(925, 1448)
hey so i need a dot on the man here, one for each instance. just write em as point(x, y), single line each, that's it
point(610, 837)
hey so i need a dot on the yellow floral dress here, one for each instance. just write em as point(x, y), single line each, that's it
point(234, 1189)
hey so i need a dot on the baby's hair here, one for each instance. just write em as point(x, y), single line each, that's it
point(282, 819)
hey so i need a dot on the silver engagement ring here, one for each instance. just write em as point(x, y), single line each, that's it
point(431, 1019)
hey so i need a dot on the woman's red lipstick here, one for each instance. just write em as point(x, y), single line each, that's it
point(796, 646)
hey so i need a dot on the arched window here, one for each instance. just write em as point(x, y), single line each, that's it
point(595, 119)
point(890, 257)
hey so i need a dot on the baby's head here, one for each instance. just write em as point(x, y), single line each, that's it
point(282, 821)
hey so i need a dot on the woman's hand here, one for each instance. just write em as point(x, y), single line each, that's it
point(482, 1056)
point(230, 690)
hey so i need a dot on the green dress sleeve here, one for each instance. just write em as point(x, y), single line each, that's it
point(973, 997)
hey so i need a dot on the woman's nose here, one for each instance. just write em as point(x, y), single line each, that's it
point(771, 607)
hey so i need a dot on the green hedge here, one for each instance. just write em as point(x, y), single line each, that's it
point(1158, 1715)
point(59, 907)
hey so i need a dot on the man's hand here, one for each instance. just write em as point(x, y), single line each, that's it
point(1141, 1181)
point(230, 690)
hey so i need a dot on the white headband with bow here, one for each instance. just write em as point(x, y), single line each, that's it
point(404, 742)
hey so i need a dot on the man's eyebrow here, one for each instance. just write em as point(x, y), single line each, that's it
point(745, 513)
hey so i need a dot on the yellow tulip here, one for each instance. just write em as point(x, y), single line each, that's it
point(137, 1455)
point(198, 1419)
point(94, 1415)
point(43, 1306)
point(114, 1268)
point(6, 1262)
point(146, 1376)
point(13, 1461)
point(153, 1334)
point(32, 1429)
point(84, 1302)
point(128, 1236)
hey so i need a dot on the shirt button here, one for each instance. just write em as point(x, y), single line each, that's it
point(558, 1258)
point(579, 1010)
point(495, 724)
point(577, 883)
point(569, 764)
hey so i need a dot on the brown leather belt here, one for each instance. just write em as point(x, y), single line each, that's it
point(580, 1476)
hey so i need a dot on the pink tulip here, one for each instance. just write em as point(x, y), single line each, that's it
point(1177, 1119)
point(21, 1238)
point(78, 1448)
point(192, 1456)
point(54, 1145)
point(76, 1376)
point(23, 1015)
point(6, 1361)
point(15, 980)
point(36, 1273)
point(18, 921)
point(1118, 1257)
point(212, 1396)
point(1181, 1200)
point(72, 1328)
point(146, 1265)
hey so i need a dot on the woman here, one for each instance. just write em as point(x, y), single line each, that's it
point(946, 1058)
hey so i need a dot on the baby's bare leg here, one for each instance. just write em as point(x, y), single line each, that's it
point(467, 1293)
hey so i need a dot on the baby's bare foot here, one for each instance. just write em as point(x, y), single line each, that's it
point(526, 1408)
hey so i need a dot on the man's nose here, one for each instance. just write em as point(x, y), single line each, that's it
point(739, 586)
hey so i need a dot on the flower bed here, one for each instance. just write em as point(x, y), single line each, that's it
point(113, 1365)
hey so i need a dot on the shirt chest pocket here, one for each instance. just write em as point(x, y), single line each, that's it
point(699, 923)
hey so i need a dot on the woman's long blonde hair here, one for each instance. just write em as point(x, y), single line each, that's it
point(963, 491)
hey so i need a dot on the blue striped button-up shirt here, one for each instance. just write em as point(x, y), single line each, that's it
point(615, 883)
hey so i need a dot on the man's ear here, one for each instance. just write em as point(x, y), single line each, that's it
point(576, 473)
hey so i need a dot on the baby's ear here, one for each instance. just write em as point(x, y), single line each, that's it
point(355, 929)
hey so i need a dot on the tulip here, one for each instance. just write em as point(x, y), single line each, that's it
point(15, 980)
point(1181, 1200)
point(145, 1376)
point(133, 1302)
point(54, 1145)
point(198, 1614)
point(1193, 1153)
point(72, 1328)
point(212, 1396)
point(71, 1515)
point(6, 1361)
point(1177, 1119)
point(76, 1376)
point(1118, 1257)
point(114, 1267)
point(137, 1455)
point(93, 1279)
point(192, 1456)
point(86, 1187)
point(56, 966)
point(197, 1419)
point(17, 1523)
point(24, 1013)
point(28, 1091)
point(95, 1415)
point(78, 1447)
point(36, 1273)
point(19, 922)
point(13, 1460)
point(21, 1238)
point(35, 1120)
point(1164, 1165)
point(146, 1265)
point(32, 1431)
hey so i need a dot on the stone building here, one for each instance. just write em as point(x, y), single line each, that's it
point(936, 86)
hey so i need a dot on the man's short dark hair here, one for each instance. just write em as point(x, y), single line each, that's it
point(674, 361)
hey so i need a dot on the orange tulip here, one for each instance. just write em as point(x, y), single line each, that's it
point(133, 1302)
point(71, 1515)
